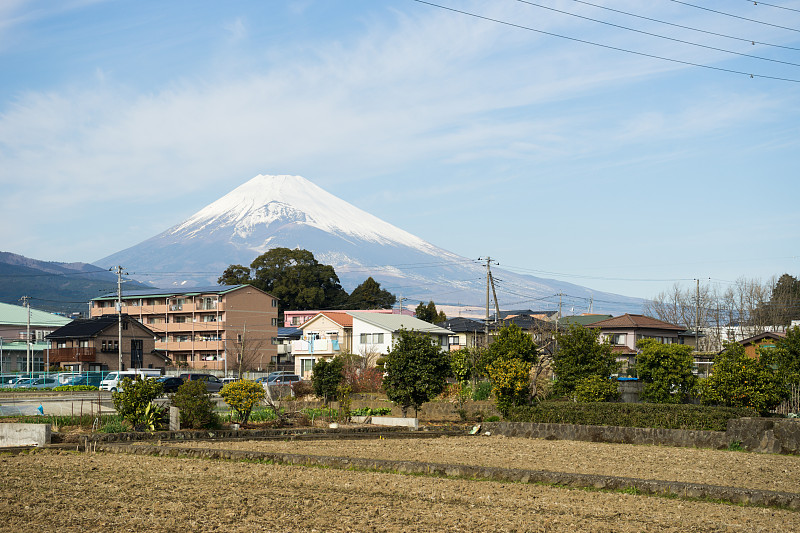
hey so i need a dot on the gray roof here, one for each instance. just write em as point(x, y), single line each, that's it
point(16, 315)
point(162, 293)
point(397, 322)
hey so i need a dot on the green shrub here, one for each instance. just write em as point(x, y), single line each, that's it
point(74, 388)
point(366, 411)
point(645, 415)
point(510, 383)
point(134, 396)
point(327, 377)
point(195, 405)
point(242, 397)
point(596, 389)
point(482, 391)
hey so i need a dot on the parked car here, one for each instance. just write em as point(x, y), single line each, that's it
point(36, 383)
point(170, 383)
point(91, 380)
point(225, 381)
point(284, 379)
point(213, 383)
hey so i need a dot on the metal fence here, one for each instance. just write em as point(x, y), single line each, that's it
point(791, 404)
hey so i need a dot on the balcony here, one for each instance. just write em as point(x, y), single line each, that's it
point(73, 355)
point(319, 347)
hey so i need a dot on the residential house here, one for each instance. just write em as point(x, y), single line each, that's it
point(15, 338)
point(580, 320)
point(549, 316)
point(623, 332)
point(375, 334)
point(203, 328)
point(295, 319)
point(283, 344)
point(94, 345)
point(325, 336)
point(467, 333)
point(542, 331)
point(764, 340)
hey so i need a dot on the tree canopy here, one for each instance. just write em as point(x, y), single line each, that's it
point(784, 302)
point(741, 381)
point(293, 276)
point(428, 313)
point(513, 343)
point(416, 370)
point(579, 356)
point(369, 295)
point(666, 370)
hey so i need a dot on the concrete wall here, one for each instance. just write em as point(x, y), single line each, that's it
point(762, 435)
point(24, 434)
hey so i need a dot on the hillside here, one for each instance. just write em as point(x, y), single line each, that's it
point(55, 287)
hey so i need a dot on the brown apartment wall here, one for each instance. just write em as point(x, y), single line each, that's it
point(253, 315)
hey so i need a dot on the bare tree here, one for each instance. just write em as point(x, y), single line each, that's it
point(248, 352)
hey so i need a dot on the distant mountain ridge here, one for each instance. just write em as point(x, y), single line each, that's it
point(290, 211)
point(56, 287)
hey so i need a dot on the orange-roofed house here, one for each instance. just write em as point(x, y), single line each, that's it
point(325, 336)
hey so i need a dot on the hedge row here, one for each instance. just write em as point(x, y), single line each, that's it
point(644, 415)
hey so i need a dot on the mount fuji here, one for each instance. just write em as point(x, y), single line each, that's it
point(290, 211)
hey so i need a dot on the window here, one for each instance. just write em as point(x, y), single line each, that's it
point(274, 322)
point(83, 343)
point(453, 340)
point(275, 340)
point(371, 338)
point(177, 304)
point(618, 339)
point(180, 319)
point(274, 302)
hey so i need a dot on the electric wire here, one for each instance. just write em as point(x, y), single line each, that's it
point(659, 36)
point(743, 39)
point(734, 16)
point(759, 3)
point(609, 47)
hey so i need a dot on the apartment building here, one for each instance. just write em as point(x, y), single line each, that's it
point(205, 328)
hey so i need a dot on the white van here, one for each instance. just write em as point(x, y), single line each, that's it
point(112, 379)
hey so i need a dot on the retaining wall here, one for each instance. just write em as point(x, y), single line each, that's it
point(763, 435)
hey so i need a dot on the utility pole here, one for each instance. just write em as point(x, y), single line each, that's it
point(697, 319)
point(490, 284)
point(119, 314)
point(26, 303)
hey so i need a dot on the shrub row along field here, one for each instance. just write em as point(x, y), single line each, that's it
point(645, 415)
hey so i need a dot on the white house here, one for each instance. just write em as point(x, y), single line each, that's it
point(375, 334)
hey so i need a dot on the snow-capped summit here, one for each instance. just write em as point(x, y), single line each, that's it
point(289, 211)
point(275, 201)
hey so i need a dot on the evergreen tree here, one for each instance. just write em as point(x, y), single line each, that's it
point(416, 370)
point(666, 370)
point(428, 313)
point(369, 295)
point(293, 276)
point(579, 356)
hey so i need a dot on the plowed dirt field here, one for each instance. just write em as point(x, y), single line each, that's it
point(71, 492)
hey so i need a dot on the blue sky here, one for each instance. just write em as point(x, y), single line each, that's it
point(612, 170)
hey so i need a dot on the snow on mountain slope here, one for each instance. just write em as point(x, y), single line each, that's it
point(268, 200)
point(289, 211)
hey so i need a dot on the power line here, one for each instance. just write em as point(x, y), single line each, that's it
point(751, 41)
point(609, 47)
point(734, 16)
point(659, 36)
point(759, 3)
